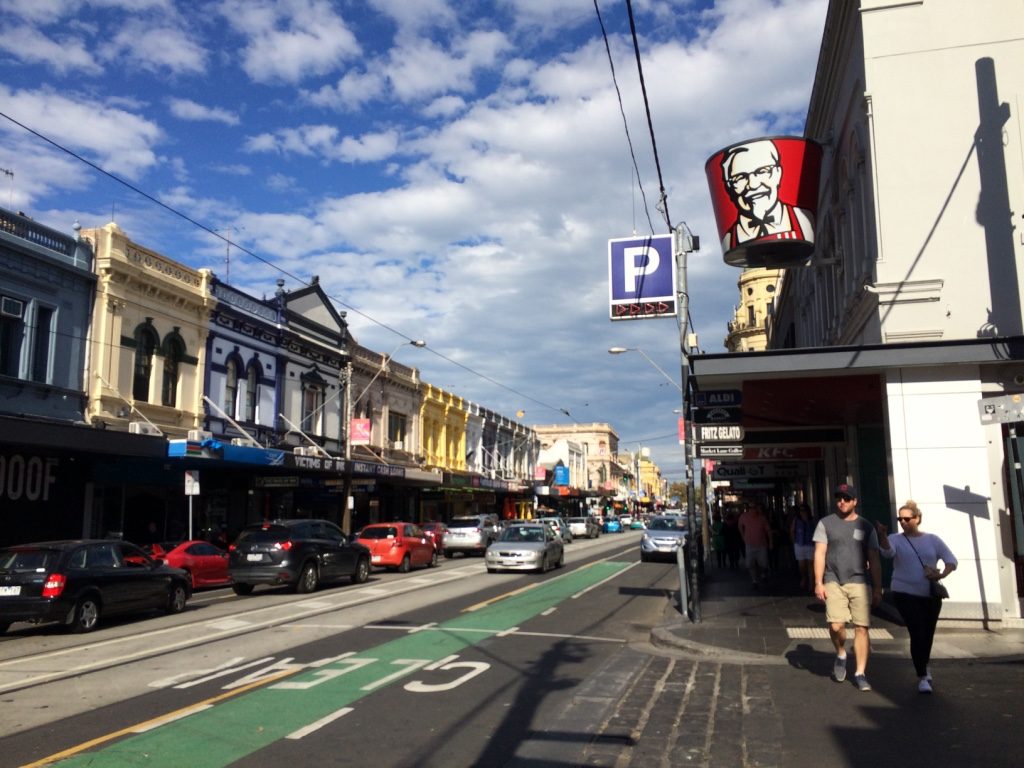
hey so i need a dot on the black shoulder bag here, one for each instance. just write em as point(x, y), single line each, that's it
point(936, 588)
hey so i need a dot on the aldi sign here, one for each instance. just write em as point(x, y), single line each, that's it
point(641, 278)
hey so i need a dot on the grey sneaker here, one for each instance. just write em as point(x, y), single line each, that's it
point(862, 683)
point(839, 669)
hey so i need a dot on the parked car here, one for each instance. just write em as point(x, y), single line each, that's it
point(664, 535)
point(301, 554)
point(76, 582)
point(626, 519)
point(399, 546)
point(526, 546)
point(584, 527)
point(612, 524)
point(206, 564)
point(559, 525)
point(435, 532)
point(470, 535)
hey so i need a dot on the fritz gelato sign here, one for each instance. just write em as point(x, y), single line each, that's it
point(765, 196)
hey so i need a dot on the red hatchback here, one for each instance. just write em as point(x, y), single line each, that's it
point(398, 546)
point(205, 563)
point(435, 532)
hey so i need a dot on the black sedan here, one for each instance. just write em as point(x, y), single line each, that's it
point(76, 582)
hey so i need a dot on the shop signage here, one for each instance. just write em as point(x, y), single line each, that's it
point(275, 482)
point(719, 451)
point(747, 470)
point(324, 463)
point(641, 278)
point(359, 431)
point(723, 398)
point(717, 415)
point(380, 470)
point(719, 433)
point(782, 452)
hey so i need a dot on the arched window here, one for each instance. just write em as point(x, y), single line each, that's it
point(252, 379)
point(313, 388)
point(146, 342)
point(174, 354)
point(230, 387)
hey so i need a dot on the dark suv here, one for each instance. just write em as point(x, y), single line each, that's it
point(299, 553)
point(76, 582)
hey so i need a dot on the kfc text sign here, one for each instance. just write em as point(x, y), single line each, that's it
point(641, 277)
point(765, 196)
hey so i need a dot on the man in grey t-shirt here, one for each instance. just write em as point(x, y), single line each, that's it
point(845, 559)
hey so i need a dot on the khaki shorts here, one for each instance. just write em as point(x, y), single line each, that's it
point(848, 604)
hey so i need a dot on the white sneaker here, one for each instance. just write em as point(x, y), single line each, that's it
point(923, 686)
point(928, 674)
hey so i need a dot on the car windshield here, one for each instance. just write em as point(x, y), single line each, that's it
point(28, 559)
point(464, 522)
point(663, 524)
point(379, 532)
point(523, 533)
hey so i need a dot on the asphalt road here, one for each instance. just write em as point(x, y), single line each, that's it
point(456, 667)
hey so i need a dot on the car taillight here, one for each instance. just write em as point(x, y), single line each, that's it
point(231, 547)
point(285, 545)
point(54, 585)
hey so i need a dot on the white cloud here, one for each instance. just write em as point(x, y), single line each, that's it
point(326, 142)
point(186, 109)
point(289, 40)
point(414, 16)
point(63, 55)
point(155, 47)
point(351, 92)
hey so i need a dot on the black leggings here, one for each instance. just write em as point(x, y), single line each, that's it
point(920, 614)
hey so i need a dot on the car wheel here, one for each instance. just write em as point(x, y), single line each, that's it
point(242, 589)
point(308, 579)
point(491, 570)
point(643, 557)
point(362, 572)
point(86, 615)
point(405, 565)
point(433, 559)
point(561, 560)
point(4, 626)
point(449, 554)
point(176, 598)
point(544, 564)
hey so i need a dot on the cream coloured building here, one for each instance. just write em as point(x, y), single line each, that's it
point(147, 350)
point(747, 330)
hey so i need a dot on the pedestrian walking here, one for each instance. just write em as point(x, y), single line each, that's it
point(845, 559)
point(915, 583)
point(718, 540)
point(733, 541)
point(757, 539)
point(801, 533)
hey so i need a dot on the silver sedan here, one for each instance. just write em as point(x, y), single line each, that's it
point(664, 535)
point(526, 547)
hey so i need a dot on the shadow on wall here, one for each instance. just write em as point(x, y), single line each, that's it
point(974, 506)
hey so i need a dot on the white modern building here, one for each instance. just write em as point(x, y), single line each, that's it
point(893, 354)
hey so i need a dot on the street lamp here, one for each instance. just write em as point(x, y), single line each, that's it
point(621, 350)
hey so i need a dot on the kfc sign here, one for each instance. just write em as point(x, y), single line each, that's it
point(765, 196)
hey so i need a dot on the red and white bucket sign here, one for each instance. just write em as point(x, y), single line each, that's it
point(765, 195)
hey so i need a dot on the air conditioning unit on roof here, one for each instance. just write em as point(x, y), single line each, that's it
point(398, 445)
point(198, 435)
point(144, 428)
point(244, 442)
point(302, 450)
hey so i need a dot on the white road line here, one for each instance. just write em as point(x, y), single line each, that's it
point(319, 724)
point(615, 575)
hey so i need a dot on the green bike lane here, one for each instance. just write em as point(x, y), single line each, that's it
point(224, 730)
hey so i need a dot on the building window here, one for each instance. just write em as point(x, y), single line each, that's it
point(750, 314)
point(231, 387)
point(312, 407)
point(173, 356)
point(145, 348)
point(397, 426)
point(252, 382)
point(42, 344)
point(12, 333)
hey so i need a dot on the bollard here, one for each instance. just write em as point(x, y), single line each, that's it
point(684, 589)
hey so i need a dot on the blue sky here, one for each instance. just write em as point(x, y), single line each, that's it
point(451, 169)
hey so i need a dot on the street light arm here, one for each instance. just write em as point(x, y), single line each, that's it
point(620, 350)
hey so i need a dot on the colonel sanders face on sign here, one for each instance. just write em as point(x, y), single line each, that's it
point(752, 174)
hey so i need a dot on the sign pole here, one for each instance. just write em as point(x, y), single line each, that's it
point(683, 245)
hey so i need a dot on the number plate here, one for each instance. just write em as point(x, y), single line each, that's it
point(10, 591)
point(254, 558)
point(375, 558)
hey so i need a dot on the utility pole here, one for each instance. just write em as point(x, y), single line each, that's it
point(684, 243)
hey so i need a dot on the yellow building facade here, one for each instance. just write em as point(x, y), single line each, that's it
point(443, 420)
point(147, 350)
point(747, 329)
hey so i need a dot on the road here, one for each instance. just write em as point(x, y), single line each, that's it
point(456, 667)
point(446, 666)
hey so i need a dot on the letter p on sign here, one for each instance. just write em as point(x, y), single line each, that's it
point(638, 262)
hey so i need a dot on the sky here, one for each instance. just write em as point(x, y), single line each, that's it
point(451, 170)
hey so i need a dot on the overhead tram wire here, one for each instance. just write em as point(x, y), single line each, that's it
point(663, 200)
point(185, 217)
point(622, 111)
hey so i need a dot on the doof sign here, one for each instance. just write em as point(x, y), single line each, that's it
point(720, 433)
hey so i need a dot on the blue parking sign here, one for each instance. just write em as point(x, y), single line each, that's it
point(641, 277)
